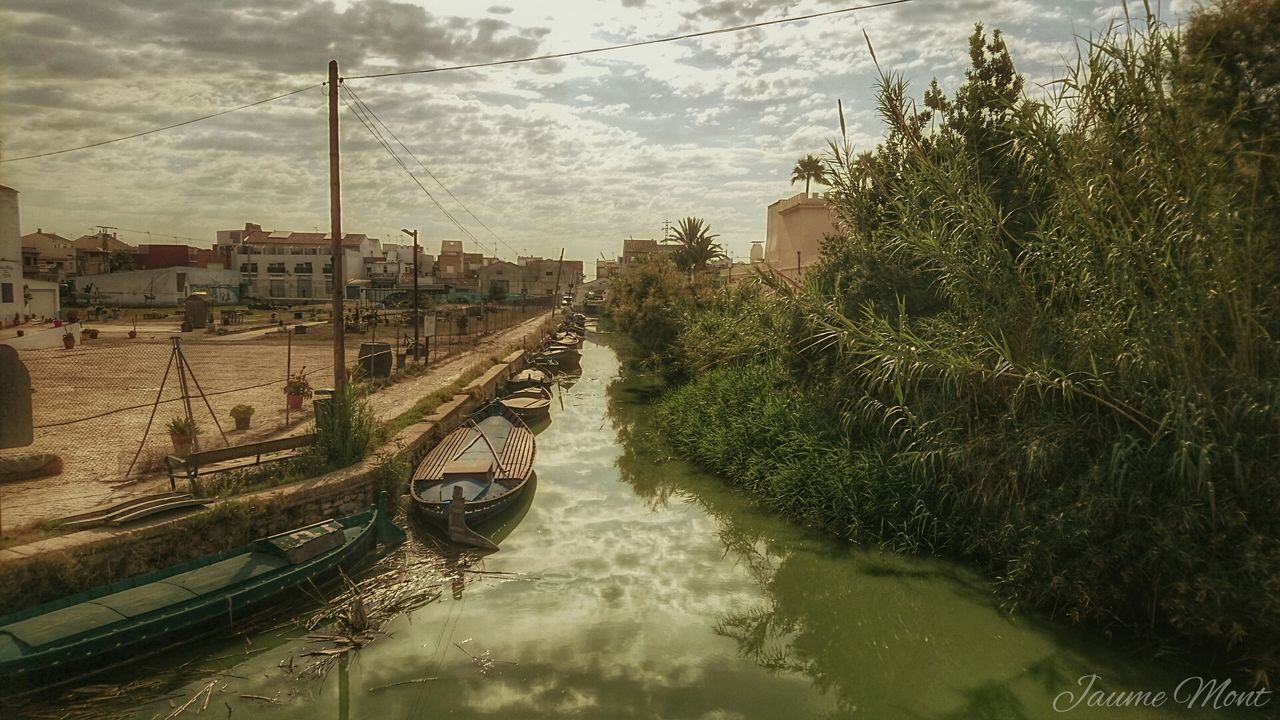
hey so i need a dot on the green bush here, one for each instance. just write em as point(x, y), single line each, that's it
point(1045, 340)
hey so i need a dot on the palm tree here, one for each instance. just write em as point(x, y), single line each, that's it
point(698, 245)
point(808, 168)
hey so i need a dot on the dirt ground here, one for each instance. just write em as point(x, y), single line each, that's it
point(244, 368)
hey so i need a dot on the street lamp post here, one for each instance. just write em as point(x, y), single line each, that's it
point(417, 320)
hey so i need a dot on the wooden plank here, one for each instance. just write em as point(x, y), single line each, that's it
point(134, 515)
point(432, 466)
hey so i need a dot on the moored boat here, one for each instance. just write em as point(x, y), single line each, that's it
point(489, 460)
point(565, 358)
point(529, 403)
point(529, 377)
point(88, 632)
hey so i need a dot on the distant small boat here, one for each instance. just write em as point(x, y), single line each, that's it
point(532, 402)
point(489, 462)
point(567, 339)
point(113, 624)
point(529, 377)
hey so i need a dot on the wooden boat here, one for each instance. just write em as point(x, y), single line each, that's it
point(530, 403)
point(489, 461)
point(529, 377)
point(567, 339)
point(565, 358)
point(106, 626)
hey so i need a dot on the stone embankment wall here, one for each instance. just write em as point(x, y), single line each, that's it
point(59, 566)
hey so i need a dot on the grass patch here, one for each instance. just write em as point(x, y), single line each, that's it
point(29, 533)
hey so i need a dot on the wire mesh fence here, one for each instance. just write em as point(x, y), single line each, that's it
point(108, 401)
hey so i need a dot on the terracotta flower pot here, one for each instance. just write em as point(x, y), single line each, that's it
point(68, 341)
point(242, 422)
point(181, 444)
point(133, 334)
point(295, 402)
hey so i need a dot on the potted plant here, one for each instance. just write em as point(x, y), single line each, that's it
point(182, 433)
point(241, 414)
point(297, 389)
point(68, 340)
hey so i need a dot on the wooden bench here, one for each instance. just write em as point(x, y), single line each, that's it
point(209, 462)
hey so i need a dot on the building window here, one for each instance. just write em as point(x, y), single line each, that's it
point(275, 267)
point(327, 269)
point(548, 273)
point(328, 286)
point(302, 268)
point(304, 288)
point(182, 283)
point(6, 292)
point(277, 289)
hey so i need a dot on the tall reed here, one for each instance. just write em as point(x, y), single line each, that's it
point(1048, 330)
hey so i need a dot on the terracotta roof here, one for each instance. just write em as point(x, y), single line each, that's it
point(94, 242)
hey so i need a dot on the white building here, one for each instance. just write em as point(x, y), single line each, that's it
point(21, 299)
point(161, 287)
point(293, 266)
point(794, 230)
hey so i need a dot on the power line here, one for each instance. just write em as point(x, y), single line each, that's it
point(359, 113)
point(148, 233)
point(370, 111)
point(638, 43)
point(166, 127)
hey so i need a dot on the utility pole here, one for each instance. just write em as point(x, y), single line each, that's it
point(555, 299)
point(666, 230)
point(417, 319)
point(335, 228)
point(797, 265)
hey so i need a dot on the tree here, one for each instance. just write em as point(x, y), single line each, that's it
point(497, 292)
point(119, 261)
point(808, 168)
point(697, 245)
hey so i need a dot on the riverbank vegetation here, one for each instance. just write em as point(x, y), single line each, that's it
point(1044, 341)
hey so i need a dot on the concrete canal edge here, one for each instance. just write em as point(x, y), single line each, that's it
point(59, 566)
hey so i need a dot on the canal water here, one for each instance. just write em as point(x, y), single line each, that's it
point(634, 586)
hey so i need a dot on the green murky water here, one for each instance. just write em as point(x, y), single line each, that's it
point(634, 586)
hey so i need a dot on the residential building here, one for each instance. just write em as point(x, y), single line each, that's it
point(607, 268)
point(636, 251)
point(546, 276)
point(21, 298)
point(794, 230)
point(47, 256)
point(507, 276)
point(293, 266)
point(155, 257)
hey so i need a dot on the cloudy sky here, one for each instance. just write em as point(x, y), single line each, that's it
point(576, 153)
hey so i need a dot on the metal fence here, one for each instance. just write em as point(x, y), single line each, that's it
point(93, 404)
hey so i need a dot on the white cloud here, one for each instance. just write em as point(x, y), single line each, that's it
point(578, 152)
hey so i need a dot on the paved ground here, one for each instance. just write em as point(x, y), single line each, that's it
point(115, 372)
